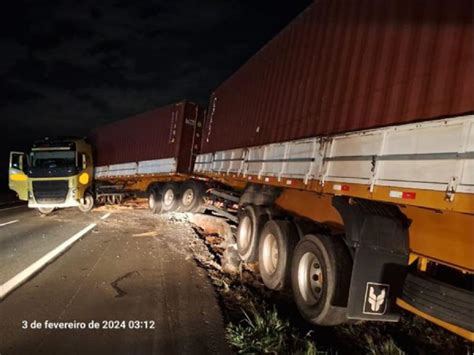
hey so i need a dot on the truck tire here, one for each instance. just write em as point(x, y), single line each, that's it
point(275, 253)
point(192, 194)
point(320, 274)
point(154, 201)
point(170, 198)
point(251, 222)
point(45, 210)
point(88, 203)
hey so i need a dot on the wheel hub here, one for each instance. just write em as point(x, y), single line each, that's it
point(151, 201)
point(188, 197)
point(310, 278)
point(270, 253)
point(169, 197)
point(245, 231)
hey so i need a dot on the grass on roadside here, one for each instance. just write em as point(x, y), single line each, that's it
point(264, 332)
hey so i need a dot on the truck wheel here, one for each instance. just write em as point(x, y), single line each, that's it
point(191, 196)
point(45, 210)
point(275, 253)
point(320, 276)
point(169, 198)
point(88, 203)
point(251, 222)
point(154, 201)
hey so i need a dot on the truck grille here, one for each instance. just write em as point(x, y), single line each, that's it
point(54, 191)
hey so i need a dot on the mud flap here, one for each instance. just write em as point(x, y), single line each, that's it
point(377, 279)
point(379, 234)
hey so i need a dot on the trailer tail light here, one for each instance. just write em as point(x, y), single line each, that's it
point(406, 195)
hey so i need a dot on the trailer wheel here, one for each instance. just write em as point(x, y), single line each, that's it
point(154, 201)
point(251, 222)
point(320, 277)
point(275, 253)
point(170, 198)
point(191, 196)
point(88, 203)
point(45, 210)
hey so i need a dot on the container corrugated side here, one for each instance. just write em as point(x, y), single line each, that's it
point(345, 65)
point(158, 134)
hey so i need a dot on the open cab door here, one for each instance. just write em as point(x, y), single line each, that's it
point(17, 179)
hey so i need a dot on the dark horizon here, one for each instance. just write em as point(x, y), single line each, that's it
point(70, 67)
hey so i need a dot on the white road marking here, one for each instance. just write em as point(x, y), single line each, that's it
point(7, 223)
point(105, 216)
point(24, 275)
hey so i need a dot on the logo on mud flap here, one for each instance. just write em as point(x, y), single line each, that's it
point(376, 298)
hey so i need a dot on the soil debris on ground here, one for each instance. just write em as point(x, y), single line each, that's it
point(264, 321)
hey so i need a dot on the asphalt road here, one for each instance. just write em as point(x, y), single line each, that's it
point(130, 281)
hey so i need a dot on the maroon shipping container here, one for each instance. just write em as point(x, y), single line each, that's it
point(171, 131)
point(345, 65)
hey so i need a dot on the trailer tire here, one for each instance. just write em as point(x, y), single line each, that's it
point(192, 194)
point(170, 197)
point(45, 210)
point(275, 253)
point(88, 203)
point(320, 275)
point(154, 201)
point(251, 221)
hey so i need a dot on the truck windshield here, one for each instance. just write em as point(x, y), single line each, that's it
point(53, 159)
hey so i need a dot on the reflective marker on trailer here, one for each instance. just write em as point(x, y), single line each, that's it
point(409, 195)
point(338, 187)
point(406, 195)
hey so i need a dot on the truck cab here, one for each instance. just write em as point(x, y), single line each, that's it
point(56, 173)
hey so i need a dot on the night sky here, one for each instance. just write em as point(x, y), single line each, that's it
point(69, 66)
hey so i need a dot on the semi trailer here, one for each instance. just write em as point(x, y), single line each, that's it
point(151, 154)
point(347, 144)
point(350, 137)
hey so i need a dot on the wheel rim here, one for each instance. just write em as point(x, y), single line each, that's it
point(168, 198)
point(87, 202)
point(188, 197)
point(245, 232)
point(151, 201)
point(270, 253)
point(310, 278)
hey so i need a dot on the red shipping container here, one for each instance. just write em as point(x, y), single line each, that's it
point(171, 131)
point(345, 65)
